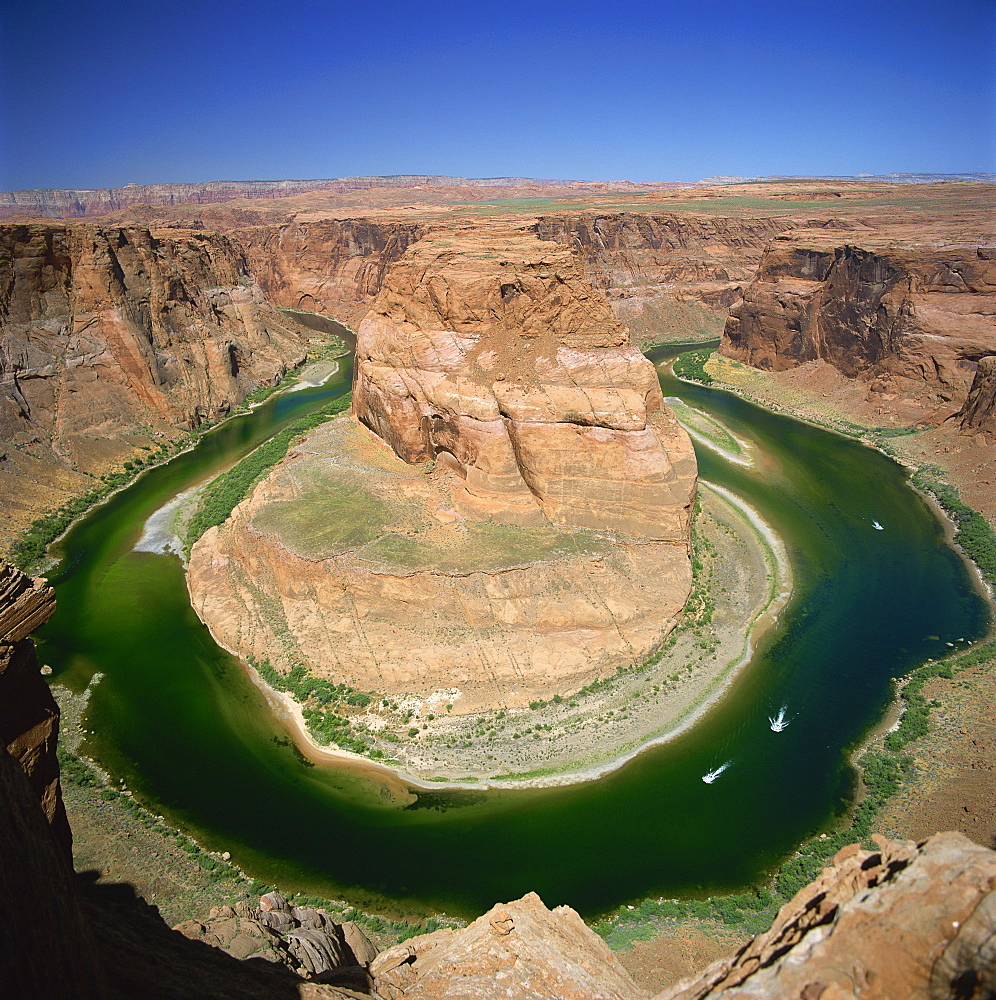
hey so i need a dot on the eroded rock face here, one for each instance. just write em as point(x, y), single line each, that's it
point(108, 330)
point(334, 267)
point(519, 949)
point(498, 358)
point(525, 533)
point(979, 412)
point(905, 920)
point(29, 715)
point(901, 314)
point(367, 564)
point(666, 275)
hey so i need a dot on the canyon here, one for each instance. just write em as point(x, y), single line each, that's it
point(901, 919)
point(117, 339)
point(909, 316)
point(117, 332)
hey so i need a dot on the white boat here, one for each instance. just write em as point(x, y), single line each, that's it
point(877, 526)
point(713, 775)
point(778, 722)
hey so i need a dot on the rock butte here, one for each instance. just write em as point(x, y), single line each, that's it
point(530, 536)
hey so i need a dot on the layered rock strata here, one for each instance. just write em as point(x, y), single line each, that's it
point(63, 203)
point(501, 360)
point(29, 721)
point(112, 336)
point(906, 316)
point(362, 568)
point(106, 329)
point(666, 275)
point(330, 266)
point(526, 533)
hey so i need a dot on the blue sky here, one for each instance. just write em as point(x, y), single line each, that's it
point(103, 94)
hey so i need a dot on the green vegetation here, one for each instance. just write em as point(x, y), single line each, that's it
point(973, 534)
point(335, 512)
point(712, 430)
point(229, 489)
point(482, 546)
point(321, 702)
point(74, 770)
point(692, 366)
point(28, 551)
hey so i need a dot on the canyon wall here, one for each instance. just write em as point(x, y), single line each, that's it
point(667, 275)
point(29, 722)
point(906, 314)
point(330, 266)
point(46, 947)
point(112, 335)
point(978, 415)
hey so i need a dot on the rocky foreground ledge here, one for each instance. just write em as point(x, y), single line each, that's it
point(901, 920)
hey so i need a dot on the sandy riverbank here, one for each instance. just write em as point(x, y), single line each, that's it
point(745, 581)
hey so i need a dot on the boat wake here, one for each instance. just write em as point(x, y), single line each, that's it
point(779, 722)
point(877, 526)
point(713, 775)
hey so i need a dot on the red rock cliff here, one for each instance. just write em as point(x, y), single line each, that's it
point(909, 315)
point(106, 330)
point(332, 266)
point(667, 275)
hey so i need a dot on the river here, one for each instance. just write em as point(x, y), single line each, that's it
point(176, 717)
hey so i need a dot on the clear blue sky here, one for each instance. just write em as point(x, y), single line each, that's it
point(102, 94)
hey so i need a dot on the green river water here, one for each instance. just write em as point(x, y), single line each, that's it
point(176, 718)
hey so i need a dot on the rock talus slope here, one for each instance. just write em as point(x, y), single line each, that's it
point(501, 360)
point(904, 315)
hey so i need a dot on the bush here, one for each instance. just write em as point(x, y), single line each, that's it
point(230, 488)
point(692, 366)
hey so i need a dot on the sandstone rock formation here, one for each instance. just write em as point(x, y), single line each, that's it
point(46, 948)
point(903, 314)
point(29, 720)
point(666, 275)
point(905, 920)
point(108, 329)
point(470, 567)
point(330, 266)
point(979, 412)
point(111, 332)
point(519, 949)
point(362, 568)
point(498, 358)
point(300, 938)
